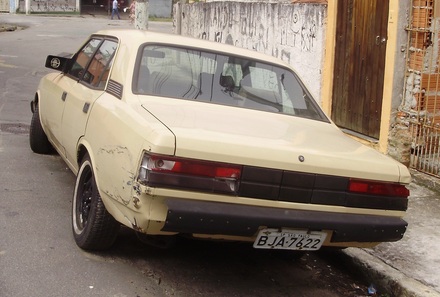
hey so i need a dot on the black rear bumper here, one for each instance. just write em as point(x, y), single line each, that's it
point(201, 217)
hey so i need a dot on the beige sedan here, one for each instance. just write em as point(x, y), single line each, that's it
point(176, 136)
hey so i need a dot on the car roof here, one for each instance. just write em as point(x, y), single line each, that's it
point(135, 38)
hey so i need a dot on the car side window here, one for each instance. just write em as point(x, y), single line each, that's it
point(101, 63)
point(82, 58)
point(92, 64)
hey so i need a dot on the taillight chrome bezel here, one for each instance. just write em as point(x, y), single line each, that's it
point(183, 173)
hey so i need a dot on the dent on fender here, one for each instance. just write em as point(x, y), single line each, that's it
point(116, 186)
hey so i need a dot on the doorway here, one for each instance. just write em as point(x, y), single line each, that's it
point(361, 37)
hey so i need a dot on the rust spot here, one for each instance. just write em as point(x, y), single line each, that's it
point(136, 202)
point(136, 227)
point(137, 189)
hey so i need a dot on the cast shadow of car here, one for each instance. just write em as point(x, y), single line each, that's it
point(217, 268)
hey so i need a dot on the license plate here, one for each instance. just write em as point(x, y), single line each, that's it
point(289, 239)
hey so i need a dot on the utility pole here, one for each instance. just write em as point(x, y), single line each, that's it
point(141, 15)
point(179, 10)
point(27, 6)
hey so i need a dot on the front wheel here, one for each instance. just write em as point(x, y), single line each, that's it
point(37, 138)
point(93, 226)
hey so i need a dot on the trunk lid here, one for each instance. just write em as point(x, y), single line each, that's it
point(263, 139)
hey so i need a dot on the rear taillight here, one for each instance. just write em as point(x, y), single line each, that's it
point(378, 188)
point(165, 171)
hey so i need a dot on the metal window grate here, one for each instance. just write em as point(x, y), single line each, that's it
point(422, 87)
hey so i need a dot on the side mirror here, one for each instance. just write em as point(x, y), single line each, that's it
point(57, 63)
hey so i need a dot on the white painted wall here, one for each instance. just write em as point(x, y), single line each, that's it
point(294, 33)
point(266, 1)
point(156, 8)
point(39, 6)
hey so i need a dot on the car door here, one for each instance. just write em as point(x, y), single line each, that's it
point(89, 70)
point(52, 107)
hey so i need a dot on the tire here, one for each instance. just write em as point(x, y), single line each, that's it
point(37, 138)
point(93, 226)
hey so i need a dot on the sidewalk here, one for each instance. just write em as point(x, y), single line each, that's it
point(411, 266)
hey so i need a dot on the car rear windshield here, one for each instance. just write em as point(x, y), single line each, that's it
point(218, 78)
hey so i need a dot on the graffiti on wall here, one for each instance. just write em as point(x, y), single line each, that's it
point(302, 32)
point(290, 32)
point(299, 30)
point(50, 5)
point(252, 26)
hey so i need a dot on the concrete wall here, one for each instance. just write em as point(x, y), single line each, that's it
point(39, 6)
point(157, 8)
point(160, 8)
point(4, 5)
point(266, 1)
point(294, 33)
point(399, 136)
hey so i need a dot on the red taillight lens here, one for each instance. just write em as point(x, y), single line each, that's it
point(197, 168)
point(165, 171)
point(378, 188)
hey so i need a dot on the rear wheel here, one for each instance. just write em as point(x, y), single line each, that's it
point(93, 226)
point(37, 138)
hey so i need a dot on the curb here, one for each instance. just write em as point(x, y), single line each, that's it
point(425, 180)
point(385, 277)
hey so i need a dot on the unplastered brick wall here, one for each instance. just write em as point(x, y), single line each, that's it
point(294, 32)
point(421, 97)
point(41, 6)
point(423, 73)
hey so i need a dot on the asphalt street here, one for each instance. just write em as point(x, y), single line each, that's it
point(33, 261)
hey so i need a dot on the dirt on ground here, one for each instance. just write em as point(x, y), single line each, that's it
point(9, 27)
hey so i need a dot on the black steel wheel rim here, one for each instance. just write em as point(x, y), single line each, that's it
point(84, 202)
